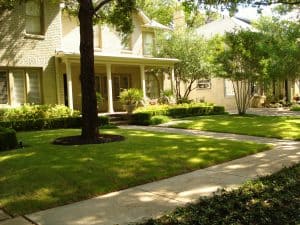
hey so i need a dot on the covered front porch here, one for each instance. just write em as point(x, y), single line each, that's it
point(112, 75)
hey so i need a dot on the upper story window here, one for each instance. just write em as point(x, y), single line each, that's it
point(148, 43)
point(34, 17)
point(97, 36)
point(127, 43)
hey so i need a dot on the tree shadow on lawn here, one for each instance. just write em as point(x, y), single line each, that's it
point(43, 175)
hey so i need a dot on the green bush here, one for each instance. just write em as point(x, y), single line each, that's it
point(141, 115)
point(52, 123)
point(155, 120)
point(8, 139)
point(218, 110)
point(141, 118)
point(30, 112)
point(131, 96)
point(295, 108)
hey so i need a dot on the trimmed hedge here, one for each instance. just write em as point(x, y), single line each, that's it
point(53, 123)
point(143, 116)
point(8, 139)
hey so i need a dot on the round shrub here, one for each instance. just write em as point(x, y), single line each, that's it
point(155, 120)
point(8, 139)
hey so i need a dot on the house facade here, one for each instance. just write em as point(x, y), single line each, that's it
point(40, 60)
point(220, 91)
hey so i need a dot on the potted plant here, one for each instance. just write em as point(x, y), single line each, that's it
point(130, 98)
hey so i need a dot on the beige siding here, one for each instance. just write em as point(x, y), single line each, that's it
point(20, 50)
point(111, 41)
point(216, 94)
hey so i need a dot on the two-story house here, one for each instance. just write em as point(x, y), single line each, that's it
point(40, 60)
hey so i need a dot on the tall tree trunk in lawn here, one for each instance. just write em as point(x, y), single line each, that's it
point(89, 104)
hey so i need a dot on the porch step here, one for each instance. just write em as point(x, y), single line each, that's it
point(118, 119)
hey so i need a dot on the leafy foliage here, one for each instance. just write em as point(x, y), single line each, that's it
point(195, 55)
point(131, 96)
point(33, 112)
point(269, 200)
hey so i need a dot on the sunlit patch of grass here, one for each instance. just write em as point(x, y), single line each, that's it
point(265, 126)
point(43, 175)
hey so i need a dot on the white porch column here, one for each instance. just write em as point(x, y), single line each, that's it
point(109, 89)
point(69, 84)
point(143, 81)
point(173, 79)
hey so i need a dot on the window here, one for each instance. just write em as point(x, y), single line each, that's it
point(152, 86)
point(204, 84)
point(126, 43)
point(24, 86)
point(97, 37)
point(148, 43)
point(34, 17)
point(19, 94)
point(33, 89)
point(3, 87)
point(229, 90)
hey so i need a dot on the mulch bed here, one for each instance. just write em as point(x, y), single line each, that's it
point(78, 140)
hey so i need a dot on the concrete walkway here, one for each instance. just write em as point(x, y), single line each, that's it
point(154, 199)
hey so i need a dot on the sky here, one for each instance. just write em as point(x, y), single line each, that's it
point(251, 13)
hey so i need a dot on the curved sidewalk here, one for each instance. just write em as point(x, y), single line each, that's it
point(154, 199)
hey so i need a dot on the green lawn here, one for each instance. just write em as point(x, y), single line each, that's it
point(265, 126)
point(271, 200)
point(43, 175)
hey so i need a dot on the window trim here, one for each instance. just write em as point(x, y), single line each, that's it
point(42, 23)
point(204, 82)
point(25, 72)
point(143, 41)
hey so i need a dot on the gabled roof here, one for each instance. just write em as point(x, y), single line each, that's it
point(223, 25)
point(148, 23)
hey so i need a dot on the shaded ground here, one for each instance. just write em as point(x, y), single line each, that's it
point(43, 175)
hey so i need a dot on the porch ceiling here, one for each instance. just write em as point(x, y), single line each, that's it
point(120, 59)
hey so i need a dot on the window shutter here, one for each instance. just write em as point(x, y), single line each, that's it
point(33, 91)
point(19, 87)
point(3, 88)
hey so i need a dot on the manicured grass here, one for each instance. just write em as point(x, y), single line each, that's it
point(43, 175)
point(272, 200)
point(265, 126)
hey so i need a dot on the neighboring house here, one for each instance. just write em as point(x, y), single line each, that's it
point(40, 60)
point(218, 90)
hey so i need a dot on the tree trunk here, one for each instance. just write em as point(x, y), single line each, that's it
point(89, 103)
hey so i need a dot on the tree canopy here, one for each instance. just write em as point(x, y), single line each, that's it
point(195, 55)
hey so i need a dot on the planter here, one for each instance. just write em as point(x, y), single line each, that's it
point(129, 108)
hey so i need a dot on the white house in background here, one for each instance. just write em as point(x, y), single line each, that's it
point(40, 60)
point(218, 90)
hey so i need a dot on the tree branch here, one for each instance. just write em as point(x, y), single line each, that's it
point(100, 5)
